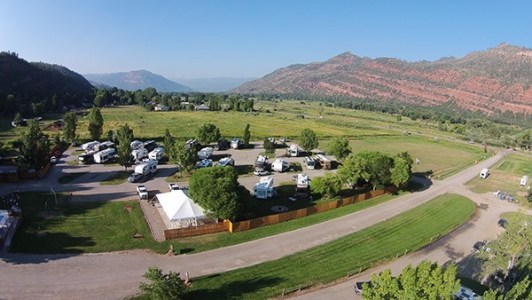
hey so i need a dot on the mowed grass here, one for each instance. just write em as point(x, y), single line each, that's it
point(81, 227)
point(67, 178)
point(442, 157)
point(407, 232)
point(116, 178)
point(505, 176)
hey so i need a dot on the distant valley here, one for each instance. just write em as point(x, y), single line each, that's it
point(137, 80)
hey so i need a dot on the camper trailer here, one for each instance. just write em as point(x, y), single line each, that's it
point(205, 153)
point(104, 145)
point(324, 161)
point(146, 168)
point(156, 154)
point(302, 186)
point(236, 143)
point(293, 150)
point(136, 144)
point(90, 146)
point(226, 161)
point(139, 154)
point(261, 162)
point(280, 165)
point(524, 180)
point(104, 156)
point(309, 162)
point(484, 173)
point(264, 188)
point(87, 158)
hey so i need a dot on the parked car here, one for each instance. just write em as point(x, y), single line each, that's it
point(142, 191)
point(359, 286)
point(173, 186)
point(134, 177)
point(261, 172)
point(480, 246)
point(204, 163)
point(465, 293)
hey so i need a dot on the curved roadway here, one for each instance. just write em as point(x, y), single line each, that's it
point(116, 275)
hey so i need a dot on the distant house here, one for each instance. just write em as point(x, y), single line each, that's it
point(161, 107)
point(201, 107)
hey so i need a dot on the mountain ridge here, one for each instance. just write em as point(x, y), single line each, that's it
point(496, 79)
point(137, 80)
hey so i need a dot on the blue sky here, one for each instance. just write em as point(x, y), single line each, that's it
point(191, 39)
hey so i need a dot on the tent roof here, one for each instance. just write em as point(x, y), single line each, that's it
point(178, 205)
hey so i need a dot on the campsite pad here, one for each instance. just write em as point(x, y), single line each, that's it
point(279, 208)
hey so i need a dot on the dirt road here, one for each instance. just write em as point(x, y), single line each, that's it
point(116, 275)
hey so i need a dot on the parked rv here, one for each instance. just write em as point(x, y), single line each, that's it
point(293, 150)
point(323, 161)
point(104, 156)
point(264, 188)
point(134, 177)
point(136, 144)
point(280, 165)
point(302, 186)
point(90, 146)
point(146, 168)
point(309, 162)
point(205, 153)
point(524, 180)
point(156, 154)
point(139, 154)
point(261, 162)
point(226, 161)
point(484, 173)
point(104, 145)
point(236, 143)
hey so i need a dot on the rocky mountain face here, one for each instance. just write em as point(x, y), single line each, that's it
point(492, 81)
point(137, 80)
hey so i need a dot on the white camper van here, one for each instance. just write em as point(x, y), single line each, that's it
point(90, 146)
point(205, 153)
point(139, 154)
point(146, 168)
point(484, 173)
point(104, 155)
point(293, 150)
point(264, 189)
point(156, 154)
point(280, 165)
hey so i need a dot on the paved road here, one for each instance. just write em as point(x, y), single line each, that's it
point(116, 275)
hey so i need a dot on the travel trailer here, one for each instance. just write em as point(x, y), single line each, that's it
point(293, 150)
point(136, 144)
point(146, 168)
point(205, 153)
point(104, 155)
point(280, 165)
point(261, 162)
point(324, 161)
point(302, 186)
point(104, 145)
point(139, 154)
point(90, 146)
point(236, 143)
point(524, 180)
point(309, 162)
point(484, 173)
point(226, 161)
point(264, 188)
point(156, 154)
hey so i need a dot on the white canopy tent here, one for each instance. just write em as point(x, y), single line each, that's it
point(180, 208)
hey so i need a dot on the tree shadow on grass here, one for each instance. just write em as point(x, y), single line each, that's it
point(233, 290)
point(244, 169)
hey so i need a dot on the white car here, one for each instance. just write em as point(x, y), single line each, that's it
point(261, 172)
point(142, 191)
point(173, 186)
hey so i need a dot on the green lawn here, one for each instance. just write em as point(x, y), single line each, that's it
point(69, 177)
point(505, 176)
point(116, 178)
point(409, 231)
point(81, 227)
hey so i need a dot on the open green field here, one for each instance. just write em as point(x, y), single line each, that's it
point(505, 176)
point(407, 232)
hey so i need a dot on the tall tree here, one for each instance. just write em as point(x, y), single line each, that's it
point(339, 147)
point(425, 281)
point(400, 173)
point(95, 123)
point(184, 157)
point(124, 136)
point(308, 140)
point(247, 135)
point(329, 184)
point(69, 130)
point(216, 190)
point(34, 147)
point(168, 141)
point(269, 147)
point(163, 286)
point(208, 133)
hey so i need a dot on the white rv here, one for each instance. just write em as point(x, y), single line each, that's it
point(226, 161)
point(104, 155)
point(104, 145)
point(524, 180)
point(146, 168)
point(303, 181)
point(261, 162)
point(139, 154)
point(309, 162)
point(236, 143)
point(324, 161)
point(90, 146)
point(205, 153)
point(264, 189)
point(136, 144)
point(280, 165)
point(293, 150)
point(484, 173)
point(156, 154)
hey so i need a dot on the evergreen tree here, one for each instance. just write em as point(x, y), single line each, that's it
point(69, 130)
point(124, 136)
point(95, 123)
point(34, 148)
point(247, 135)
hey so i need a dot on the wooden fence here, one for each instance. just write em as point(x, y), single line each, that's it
point(303, 212)
point(195, 231)
point(271, 219)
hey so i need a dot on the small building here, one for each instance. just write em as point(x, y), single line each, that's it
point(524, 180)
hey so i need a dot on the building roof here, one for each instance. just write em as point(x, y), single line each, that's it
point(179, 206)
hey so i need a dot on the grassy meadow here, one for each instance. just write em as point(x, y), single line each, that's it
point(505, 176)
